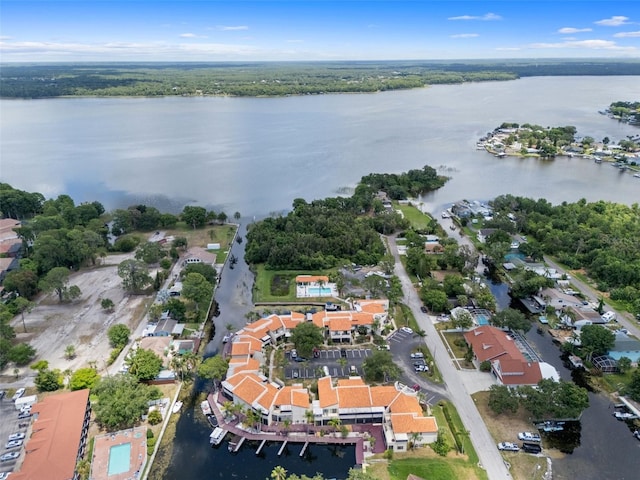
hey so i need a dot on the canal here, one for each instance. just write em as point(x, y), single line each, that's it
point(598, 446)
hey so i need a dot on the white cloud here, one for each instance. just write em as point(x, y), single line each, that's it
point(188, 35)
point(614, 21)
point(571, 30)
point(230, 28)
point(464, 35)
point(4, 38)
point(594, 44)
point(508, 49)
point(485, 17)
point(627, 34)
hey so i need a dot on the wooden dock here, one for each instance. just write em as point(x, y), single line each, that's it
point(259, 449)
point(284, 444)
point(304, 448)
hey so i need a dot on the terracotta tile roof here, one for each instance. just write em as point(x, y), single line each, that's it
point(362, 318)
point(249, 389)
point(409, 423)
point(374, 306)
point(52, 450)
point(267, 398)
point(351, 382)
point(300, 398)
point(311, 278)
point(339, 325)
point(383, 396)
point(8, 224)
point(327, 395)
point(518, 372)
point(240, 348)
point(354, 397)
point(489, 343)
point(405, 404)
point(251, 365)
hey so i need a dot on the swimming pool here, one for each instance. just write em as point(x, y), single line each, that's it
point(318, 291)
point(119, 459)
point(482, 319)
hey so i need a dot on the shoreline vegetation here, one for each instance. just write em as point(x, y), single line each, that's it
point(527, 140)
point(272, 79)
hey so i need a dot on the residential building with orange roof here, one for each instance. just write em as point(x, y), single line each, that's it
point(311, 279)
point(508, 364)
point(58, 439)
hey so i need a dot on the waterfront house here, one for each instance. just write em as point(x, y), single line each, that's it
point(484, 233)
point(167, 327)
point(509, 365)
point(199, 255)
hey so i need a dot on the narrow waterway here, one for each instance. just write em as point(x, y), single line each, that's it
point(598, 439)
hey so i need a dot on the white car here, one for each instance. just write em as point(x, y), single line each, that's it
point(9, 456)
point(406, 330)
point(417, 355)
point(18, 394)
point(16, 436)
point(13, 444)
point(508, 446)
point(529, 437)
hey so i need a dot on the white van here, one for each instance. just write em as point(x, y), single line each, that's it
point(608, 316)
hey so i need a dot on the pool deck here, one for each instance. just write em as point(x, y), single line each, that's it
point(137, 437)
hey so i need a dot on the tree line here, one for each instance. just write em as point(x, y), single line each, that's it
point(325, 233)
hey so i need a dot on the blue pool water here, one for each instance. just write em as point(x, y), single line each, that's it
point(318, 292)
point(482, 320)
point(119, 459)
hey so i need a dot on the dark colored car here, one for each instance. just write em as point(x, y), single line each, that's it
point(343, 353)
point(530, 447)
point(423, 309)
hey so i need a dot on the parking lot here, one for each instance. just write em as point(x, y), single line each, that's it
point(9, 425)
point(314, 367)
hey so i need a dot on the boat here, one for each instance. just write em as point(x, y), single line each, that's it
point(213, 421)
point(176, 407)
point(550, 426)
point(625, 416)
point(637, 175)
point(217, 436)
point(206, 408)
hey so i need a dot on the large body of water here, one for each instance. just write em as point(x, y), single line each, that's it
point(256, 155)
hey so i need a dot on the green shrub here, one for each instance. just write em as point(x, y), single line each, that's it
point(485, 366)
point(155, 417)
point(149, 433)
point(388, 454)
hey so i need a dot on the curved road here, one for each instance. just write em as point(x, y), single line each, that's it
point(489, 456)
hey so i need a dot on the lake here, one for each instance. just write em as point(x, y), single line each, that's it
point(255, 155)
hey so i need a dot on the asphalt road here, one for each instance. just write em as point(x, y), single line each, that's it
point(490, 458)
point(623, 318)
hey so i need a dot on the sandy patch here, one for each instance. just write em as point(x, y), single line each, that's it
point(52, 326)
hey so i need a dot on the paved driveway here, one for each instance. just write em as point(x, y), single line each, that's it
point(9, 425)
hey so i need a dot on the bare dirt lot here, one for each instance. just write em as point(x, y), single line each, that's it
point(52, 326)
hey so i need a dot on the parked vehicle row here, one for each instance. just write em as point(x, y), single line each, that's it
point(528, 447)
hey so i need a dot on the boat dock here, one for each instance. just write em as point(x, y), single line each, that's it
point(305, 435)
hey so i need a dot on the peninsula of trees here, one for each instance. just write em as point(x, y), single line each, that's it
point(273, 78)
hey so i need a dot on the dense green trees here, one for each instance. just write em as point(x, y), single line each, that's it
point(135, 275)
point(596, 340)
point(511, 319)
point(19, 204)
point(118, 335)
point(601, 237)
point(213, 368)
point(380, 367)
point(143, 364)
point(122, 401)
point(306, 336)
point(549, 400)
point(84, 378)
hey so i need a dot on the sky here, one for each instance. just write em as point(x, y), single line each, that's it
point(316, 30)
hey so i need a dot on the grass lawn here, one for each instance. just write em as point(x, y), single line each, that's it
point(458, 351)
point(419, 220)
point(280, 285)
point(425, 463)
point(200, 237)
point(505, 428)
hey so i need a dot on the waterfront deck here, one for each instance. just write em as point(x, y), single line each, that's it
point(300, 433)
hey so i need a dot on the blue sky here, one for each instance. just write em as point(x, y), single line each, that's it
point(239, 30)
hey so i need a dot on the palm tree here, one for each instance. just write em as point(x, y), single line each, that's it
point(335, 422)
point(178, 365)
point(287, 424)
point(279, 473)
point(414, 438)
point(310, 417)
